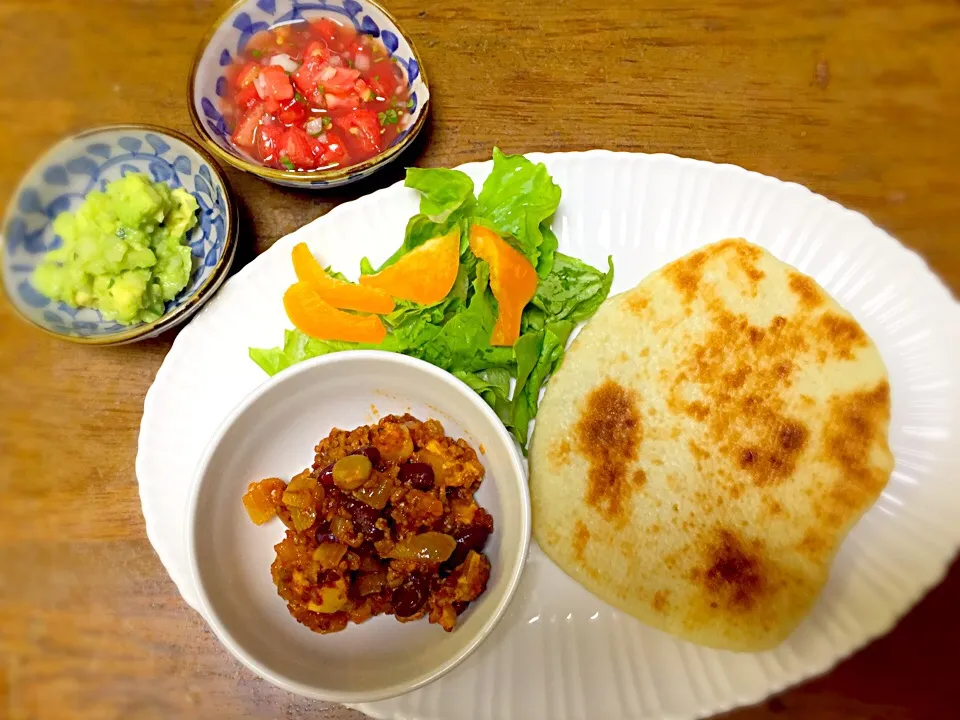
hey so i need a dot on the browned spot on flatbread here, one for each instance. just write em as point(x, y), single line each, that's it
point(639, 478)
point(698, 452)
point(685, 274)
point(622, 357)
point(813, 544)
point(697, 410)
point(842, 333)
point(560, 453)
point(581, 536)
point(661, 599)
point(637, 302)
point(733, 574)
point(608, 434)
point(808, 293)
point(854, 437)
point(737, 374)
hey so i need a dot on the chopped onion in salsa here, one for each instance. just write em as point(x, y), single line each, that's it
point(312, 95)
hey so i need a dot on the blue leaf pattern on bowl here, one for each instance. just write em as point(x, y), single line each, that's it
point(99, 149)
point(29, 202)
point(352, 7)
point(390, 41)
point(161, 172)
point(183, 165)
point(56, 175)
point(413, 71)
point(130, 144)
point(369, 27)
point(82, 166)
point(157, 143)
point(268, 6)
point(63, 184)
point(59, 205)
point(31, 297)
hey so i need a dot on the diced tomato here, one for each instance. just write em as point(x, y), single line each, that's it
point(365, 91)
point(247, 97)
point(338, 79)
point(335, 151)
point(384, 77)
point(316, 49)
point(349, 101)
point(275, 83)
point(293, 112)
point(307, 76)
point(246, 75)
point(272, 105)
point(332, 33)
point(300, 149)
point(244, 133)
point(269, 138)
point(363, 128)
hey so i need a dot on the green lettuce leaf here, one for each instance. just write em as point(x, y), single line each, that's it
point(464, 336)
point(539, 354)
point(493, 385)
point(298, 347)
point(519, 198)
point(572, 291)
point(443, 191)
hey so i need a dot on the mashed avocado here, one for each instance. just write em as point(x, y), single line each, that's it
point(123, 251)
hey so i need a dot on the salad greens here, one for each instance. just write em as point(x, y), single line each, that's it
point(517, 200)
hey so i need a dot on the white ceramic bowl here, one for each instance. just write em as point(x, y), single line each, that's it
point(272, 433)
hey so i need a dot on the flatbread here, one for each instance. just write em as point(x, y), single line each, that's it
point(710, 439)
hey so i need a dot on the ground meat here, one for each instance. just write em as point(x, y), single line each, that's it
point(396, 531)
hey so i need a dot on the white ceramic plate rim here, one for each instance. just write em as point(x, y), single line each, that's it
point(517, 478)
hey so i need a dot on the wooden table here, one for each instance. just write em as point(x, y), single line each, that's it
point(857, 99)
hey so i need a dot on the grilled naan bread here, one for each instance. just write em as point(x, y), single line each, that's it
point(710, 439)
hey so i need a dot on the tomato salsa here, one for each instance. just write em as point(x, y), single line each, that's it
point(312, 95)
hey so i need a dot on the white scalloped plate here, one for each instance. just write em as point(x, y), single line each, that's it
point(560, 652)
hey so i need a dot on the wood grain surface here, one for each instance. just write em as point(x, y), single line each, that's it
point(857, 99)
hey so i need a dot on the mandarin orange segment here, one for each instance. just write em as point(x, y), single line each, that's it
point(340, 294)
point(513, 280)
point(314, 316)
point(425, 274)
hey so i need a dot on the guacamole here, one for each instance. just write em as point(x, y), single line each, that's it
point(123, 250)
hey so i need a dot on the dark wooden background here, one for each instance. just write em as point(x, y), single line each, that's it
point(857, 99)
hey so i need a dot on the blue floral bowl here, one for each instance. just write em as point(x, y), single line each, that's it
point(230, 34)
point(61, 179)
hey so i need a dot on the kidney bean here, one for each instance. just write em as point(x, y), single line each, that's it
point(364, 518)
point(417, 474)
point(410, 597)
point(373, 455)
point(472, 537)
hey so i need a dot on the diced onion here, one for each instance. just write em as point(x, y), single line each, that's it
point(362, 62)
point(261, 85)
point(285, 61)
point(327, 73)
point(314, 127)
point(335, 61)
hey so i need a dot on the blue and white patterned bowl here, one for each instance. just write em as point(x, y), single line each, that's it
point(61, 179)
point(228, 37)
